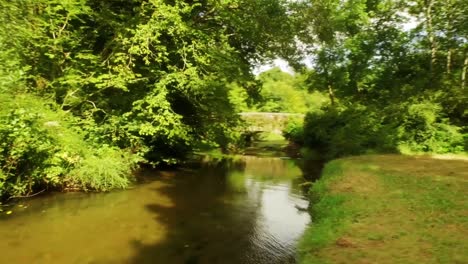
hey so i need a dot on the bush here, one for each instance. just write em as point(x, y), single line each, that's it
point(345, 131)
point(25, 150)
point(43, 148)
point(421, 127)
point(104, 170)
point(294, 131)
point(408, 127)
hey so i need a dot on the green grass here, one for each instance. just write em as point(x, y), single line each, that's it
point(389, 209)
point(106, 170)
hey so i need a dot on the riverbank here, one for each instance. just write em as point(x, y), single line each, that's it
point(389, 209)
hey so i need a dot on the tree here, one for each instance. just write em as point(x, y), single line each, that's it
point(379, 76)
point(147, 75)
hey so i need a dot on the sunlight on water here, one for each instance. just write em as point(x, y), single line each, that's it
point(222, 212)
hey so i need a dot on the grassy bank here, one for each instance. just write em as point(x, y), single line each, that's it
point(389, 209)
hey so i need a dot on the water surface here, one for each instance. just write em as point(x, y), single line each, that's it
point(244, 211)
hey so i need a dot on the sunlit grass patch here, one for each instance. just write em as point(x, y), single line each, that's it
point(389, 209)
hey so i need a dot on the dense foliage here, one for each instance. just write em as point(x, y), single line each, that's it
point(278, 92)
point(42, 149)
point(395, 73)
point(148, 77)
point(407, 127)
point(88, 84)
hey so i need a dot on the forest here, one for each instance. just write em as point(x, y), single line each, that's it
point(89, 90)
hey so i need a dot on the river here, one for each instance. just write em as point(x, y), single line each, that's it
point(247, 210)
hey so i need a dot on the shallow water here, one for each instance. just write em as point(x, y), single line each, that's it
point(244, 211)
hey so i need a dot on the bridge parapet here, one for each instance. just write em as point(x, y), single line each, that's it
point(268, 122)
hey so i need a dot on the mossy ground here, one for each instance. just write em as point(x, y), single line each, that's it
point(389, 209)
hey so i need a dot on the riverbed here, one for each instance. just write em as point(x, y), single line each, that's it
point(246, 210)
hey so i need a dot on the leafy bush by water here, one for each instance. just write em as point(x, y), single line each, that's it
point(294, 131)
point(344, 131)
point(357, 129)
point(25, 149)
point(104, 170)
point(43, 148)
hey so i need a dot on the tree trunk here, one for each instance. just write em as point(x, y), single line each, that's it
point(431, 36)
point(331, 94)
point(464, 70)
point(449, 61)
point(451, 48)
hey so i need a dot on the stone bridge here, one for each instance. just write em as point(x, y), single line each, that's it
point(268, 122)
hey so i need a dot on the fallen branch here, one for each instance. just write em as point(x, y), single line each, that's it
point(26, 196)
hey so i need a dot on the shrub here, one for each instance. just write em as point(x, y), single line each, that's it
point(343, 131)
point(25, 150)
point(357, 129)
point(104, 170)
point(421, 127)
point(294, 131)
point(43, 148)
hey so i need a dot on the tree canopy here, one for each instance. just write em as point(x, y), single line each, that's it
point(152, 80)
point(146, 76)
point(395, 72)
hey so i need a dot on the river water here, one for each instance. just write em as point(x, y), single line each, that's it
point(248, 210)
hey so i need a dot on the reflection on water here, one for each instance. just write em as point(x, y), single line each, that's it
point(243, 211)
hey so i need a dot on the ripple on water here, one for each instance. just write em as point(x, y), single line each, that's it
point(226, 212)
